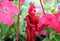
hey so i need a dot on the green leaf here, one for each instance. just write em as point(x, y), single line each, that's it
point(52, 34)
point(53, 39)
point(16, 3)
point(46, 39)
point(57, 37)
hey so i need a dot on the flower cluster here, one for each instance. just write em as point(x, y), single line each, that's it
point(35, 25)
point(7, 12)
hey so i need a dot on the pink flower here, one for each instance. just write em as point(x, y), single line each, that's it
point(46, 19)
point(56, 22)
point(6, 19)
point(5, 0)
point(55, 25)
point(7, 11)
point(8, 7)
point(51, 21)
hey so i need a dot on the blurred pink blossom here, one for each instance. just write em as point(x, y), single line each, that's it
point(7, 11)
point(6, 19)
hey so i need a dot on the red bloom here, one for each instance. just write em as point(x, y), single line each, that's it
point(32, 21)
point(32, 14)
point(44, 21)
point(56, 22)
point(50, 21)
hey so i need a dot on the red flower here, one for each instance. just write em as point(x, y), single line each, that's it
point(32, 21)
point(56, 22)
point(50, 20)
point(44, 21)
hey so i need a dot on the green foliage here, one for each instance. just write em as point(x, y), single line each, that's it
point(46, 39)
point(52, 34)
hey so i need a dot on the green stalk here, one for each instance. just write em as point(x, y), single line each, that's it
point(18, 25)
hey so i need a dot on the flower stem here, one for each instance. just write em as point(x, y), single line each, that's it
point(1, 34)
point(17, 29)
point(42, 6)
